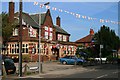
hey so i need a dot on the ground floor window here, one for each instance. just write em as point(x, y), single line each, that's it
point(14, 48)
point(24, 48)
point(41, 48)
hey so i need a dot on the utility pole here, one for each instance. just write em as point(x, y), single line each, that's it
point(20, 38)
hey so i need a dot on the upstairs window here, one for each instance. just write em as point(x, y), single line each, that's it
point(15, 32)
point(50, 37)
point(48, 33)
point(64, 38)
point(46, 28)
point(59, 37)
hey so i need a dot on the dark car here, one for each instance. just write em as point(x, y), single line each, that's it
point(9, 66)
point(71, 60)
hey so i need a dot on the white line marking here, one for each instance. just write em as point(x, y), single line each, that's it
point(102, 76)
point(115, 72)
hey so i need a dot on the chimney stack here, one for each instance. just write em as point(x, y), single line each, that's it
point(11, 11)
point(58, 21)
point(91, 32)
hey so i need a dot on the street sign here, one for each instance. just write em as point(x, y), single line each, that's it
point(101, 46)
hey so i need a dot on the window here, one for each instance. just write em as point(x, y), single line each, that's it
point(64, 38)
point(15, 32)
point(25, 48)
point(46, 28)
point(48, 33)
point(51, 29)
point(59, 37)
point(14, 48)
point(50, 37)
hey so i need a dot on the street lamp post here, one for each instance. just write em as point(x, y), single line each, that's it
point(40, 62)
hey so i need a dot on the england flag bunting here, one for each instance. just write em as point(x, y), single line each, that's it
point(57, 46)
point(76, 15)
point(47, 7)
point(35, 3)
point(32, 32)
point(41, 5)
point(53, 8)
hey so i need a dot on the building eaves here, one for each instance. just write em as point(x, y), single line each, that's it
point(85, 39)
point(60, 30)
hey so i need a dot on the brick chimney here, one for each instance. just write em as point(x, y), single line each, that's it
point(58, 21)
point(91, 32)
point(11, 11)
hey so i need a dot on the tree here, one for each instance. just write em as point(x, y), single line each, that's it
point(7, 28)
point(108, 39)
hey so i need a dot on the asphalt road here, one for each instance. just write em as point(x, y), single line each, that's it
point(108, 71)
point(97, 72)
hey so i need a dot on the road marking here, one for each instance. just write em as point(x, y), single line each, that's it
point(115, 72)
point(102, 76)
point(105, 75)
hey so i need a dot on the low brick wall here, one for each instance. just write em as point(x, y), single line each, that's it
point(43, 58)
point(34, 58)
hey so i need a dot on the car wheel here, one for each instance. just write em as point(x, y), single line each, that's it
point(64, 62)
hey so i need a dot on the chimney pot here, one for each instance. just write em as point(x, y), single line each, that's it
point(91, 32)
point(11, 11)
point(58, 21)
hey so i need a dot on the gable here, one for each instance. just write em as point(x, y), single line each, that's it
point(48, 19)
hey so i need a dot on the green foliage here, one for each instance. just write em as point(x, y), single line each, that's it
point(7, 27)
point(108, 39)
point(26, 58)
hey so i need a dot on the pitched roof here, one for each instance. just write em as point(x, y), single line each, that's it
point(36, 17)
point(60, 30)
point(85, 39)
point(33, 20)
point(28, 20)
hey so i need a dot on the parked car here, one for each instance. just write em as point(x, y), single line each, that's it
point(9, 66)
point(71, 60)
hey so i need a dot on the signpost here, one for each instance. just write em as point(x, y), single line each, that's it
point(101, 46)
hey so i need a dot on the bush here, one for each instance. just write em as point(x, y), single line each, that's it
point(26, 58)
point(109, 58)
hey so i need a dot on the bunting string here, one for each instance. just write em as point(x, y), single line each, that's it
point(76, 15)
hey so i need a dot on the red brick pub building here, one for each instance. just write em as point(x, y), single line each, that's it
point(54, 41)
